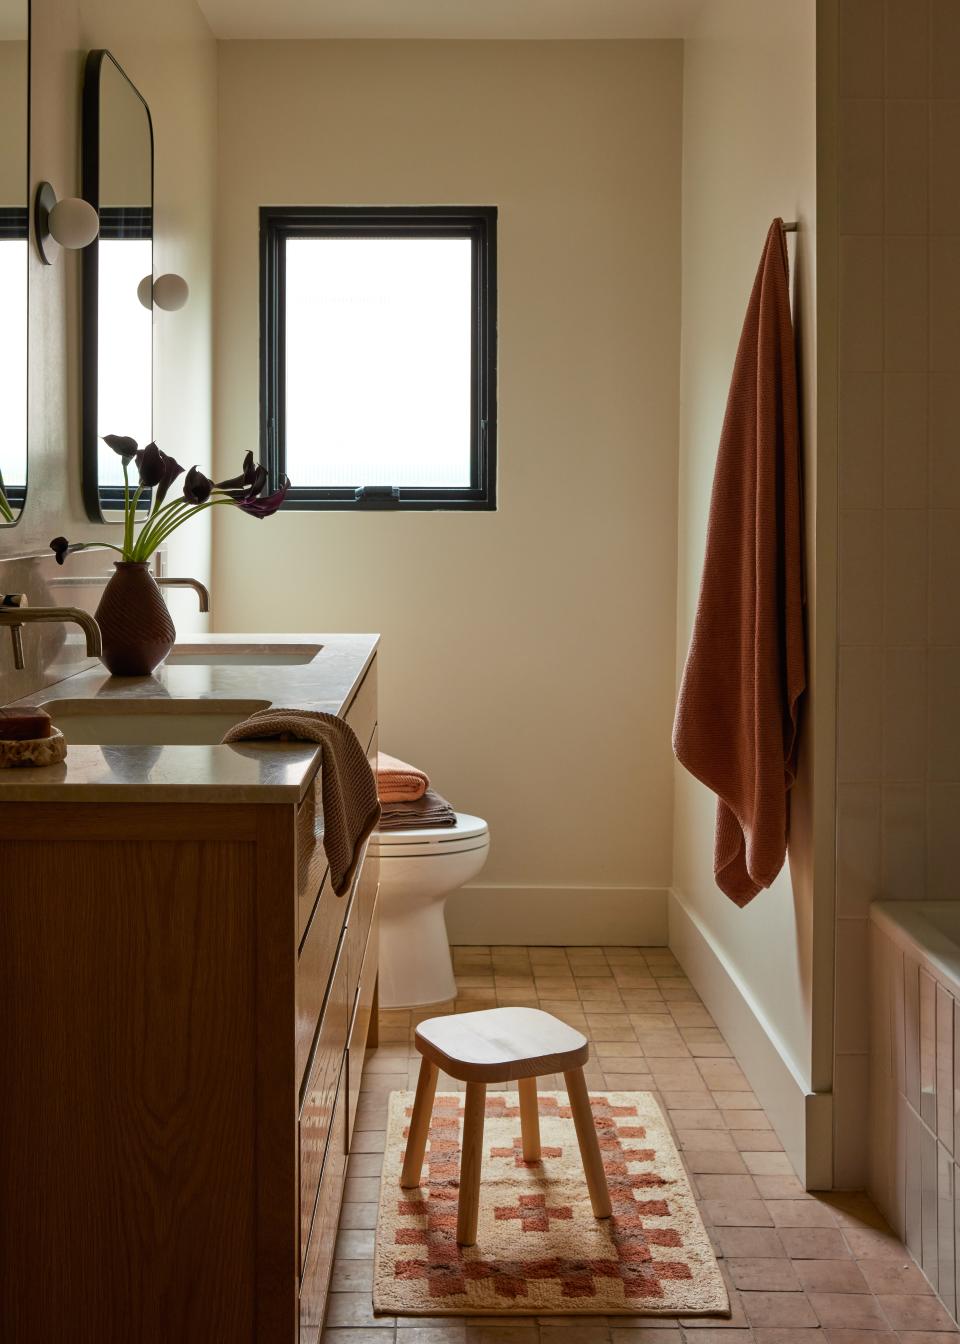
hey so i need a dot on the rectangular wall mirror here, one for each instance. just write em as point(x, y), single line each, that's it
point(14, 236)
point(117, 278)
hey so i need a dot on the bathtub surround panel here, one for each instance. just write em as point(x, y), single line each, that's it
point(746, 105)
point(530, 650)
point(914, 1089)
point(898, 240)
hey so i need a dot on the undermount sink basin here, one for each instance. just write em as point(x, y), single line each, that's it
point(242, 655)
point(163, 723)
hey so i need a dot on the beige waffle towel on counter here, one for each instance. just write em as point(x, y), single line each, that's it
point(347, 783)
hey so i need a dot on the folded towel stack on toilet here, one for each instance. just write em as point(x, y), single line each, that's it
point(407, 801)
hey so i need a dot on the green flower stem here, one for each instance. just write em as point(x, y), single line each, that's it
point(157, 522)
point(160, 535)
point(127, 523)
point(6, 513)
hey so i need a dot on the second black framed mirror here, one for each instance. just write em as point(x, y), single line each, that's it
point(117, 364)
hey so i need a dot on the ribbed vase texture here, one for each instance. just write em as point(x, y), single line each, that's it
point(134, 621)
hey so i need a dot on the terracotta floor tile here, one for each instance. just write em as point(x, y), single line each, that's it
point(831, 1276)
point(785, 1334)
point(909, 1311)
point(737, 1213)
point(841, 1336)
point(371, 1335)
point(780, 1187)
point(740, 1119)
point(749, 1243)
point(733, 1100)
point(921, 1337)
point(708, 1163)
point(768, 1164)
point(352, 1309)
point(848, 1311)
point(715, 1140)
point(800, 1213)
point(773, 1275)
point(896, 1276)
point(681, 1100)
point(870, 1243)
point(791, 1309)
point(726, 1187)
point(814, 1243)
point(756, 1140)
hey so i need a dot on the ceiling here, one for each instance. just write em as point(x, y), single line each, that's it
point(449, 18)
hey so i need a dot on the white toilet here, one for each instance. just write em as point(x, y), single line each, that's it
point(418, 871)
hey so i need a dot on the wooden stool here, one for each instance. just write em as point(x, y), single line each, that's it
point(501, 1045)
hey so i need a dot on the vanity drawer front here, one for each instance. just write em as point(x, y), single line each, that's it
point(356, 1051)
point(318, 1102)
point(318, 1260)
point(362, 714)
point(317, 957)
point(311, 857)
point(361, 911)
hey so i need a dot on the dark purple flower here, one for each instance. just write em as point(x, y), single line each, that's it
point(61, 548)
point(150, 465)
point(243, 480)
point(196, 487)
point(122, 445)
point(266, 505)
point(171, 470)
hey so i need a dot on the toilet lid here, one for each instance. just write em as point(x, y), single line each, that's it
point(433, 837)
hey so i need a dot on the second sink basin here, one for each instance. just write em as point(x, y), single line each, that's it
point(242, 655)
point(163, 723)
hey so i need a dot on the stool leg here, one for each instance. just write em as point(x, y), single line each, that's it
point(471, 1161)
point(589, 1145)
point(419, 1125)
point(529, 1119)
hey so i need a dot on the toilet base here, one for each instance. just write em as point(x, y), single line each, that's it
point(415, 965)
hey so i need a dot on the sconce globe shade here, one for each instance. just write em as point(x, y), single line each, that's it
point(145, 291)
point(73, 222)
point(170, 292)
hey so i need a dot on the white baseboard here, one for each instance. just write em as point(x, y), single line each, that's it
point(801, 1118)
point(559, 916)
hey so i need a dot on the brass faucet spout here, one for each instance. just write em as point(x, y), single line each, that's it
point(15, 614)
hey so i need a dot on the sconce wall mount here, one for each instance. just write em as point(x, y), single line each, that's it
point(71, 223)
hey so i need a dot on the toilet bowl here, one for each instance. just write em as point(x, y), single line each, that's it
point(418, 871)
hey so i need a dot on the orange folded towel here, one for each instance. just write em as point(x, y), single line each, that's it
point(398, 782)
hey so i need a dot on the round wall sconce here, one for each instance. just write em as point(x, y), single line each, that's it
point(70, 223)
point(169, 292)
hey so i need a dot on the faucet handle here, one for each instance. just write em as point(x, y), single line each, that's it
point(13, 602)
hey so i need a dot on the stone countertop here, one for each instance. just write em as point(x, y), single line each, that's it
point(247, 772)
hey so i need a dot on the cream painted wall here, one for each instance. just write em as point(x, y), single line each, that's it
point(13, 103)
point(749, 154)
point(527, 657)
point(168, 52)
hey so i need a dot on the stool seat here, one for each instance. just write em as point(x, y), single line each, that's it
point(501, 1045)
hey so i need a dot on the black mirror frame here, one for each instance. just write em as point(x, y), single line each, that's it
point(90, 271)
point(16, 223)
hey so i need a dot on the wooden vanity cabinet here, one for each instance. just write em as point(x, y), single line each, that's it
point(184, 1009)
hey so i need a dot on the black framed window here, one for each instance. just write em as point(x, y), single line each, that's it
point(378, 355)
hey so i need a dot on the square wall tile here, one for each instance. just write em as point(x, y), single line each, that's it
point(945, 304)
point(861, 440)
point(861, 304)
point(904, 715)
point(852, 1001)
point(861, 49)
point(945, 576)
point(906, 65)
point(944, 417)
point(905, 165)
point(858, 848)
point(905, 452)
point(944, 48)
point(861, 153)
point(943, 715)
point(905, 307)
point(943, 812)
point(860, 714)
point(904, 842)
point(860, 616)
point(905, 576)
point(944, 157)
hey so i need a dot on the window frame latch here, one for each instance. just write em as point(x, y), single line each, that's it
point(377, 494)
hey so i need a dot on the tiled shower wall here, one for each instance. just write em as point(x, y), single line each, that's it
point(899, 534)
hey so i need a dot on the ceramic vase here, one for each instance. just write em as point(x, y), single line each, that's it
point(134, 622)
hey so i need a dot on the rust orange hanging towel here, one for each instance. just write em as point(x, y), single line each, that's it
point(736, 720)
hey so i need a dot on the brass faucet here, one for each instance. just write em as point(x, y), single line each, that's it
point(195, 584)
point(94, 580)
point(15, 614)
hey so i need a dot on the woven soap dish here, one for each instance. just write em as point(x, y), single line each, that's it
point(33, 751)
